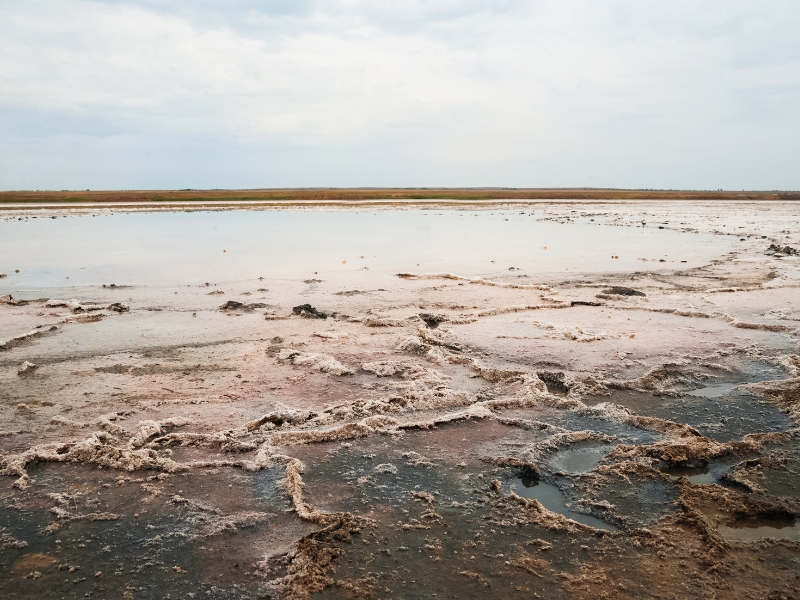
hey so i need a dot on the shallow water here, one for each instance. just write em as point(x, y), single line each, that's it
point(575, 461)
point(713, 391)
point(759, 529)
point(698, 475)
point(173, 248)
point(552, 498)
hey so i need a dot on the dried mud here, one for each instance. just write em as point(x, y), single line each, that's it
point(590, 435)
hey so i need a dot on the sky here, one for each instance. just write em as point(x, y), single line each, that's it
point(150, 94)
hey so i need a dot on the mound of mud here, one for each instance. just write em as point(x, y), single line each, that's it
point(309, 312)
point(622, 291)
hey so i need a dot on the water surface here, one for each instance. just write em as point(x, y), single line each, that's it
point(163, 248)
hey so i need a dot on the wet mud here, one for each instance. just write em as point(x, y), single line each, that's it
point(377, 430)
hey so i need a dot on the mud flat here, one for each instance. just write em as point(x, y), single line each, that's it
point(570, 400)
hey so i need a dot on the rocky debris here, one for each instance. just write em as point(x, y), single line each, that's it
point(386, 468)
point(423, 497)
point(331, 335)
point(9, 541)
point(378, 321)
point(618, 290)
point(26, 368)
point(385, 368)
point(73, 305)
point(235, 305)
point(83, 319)
point(785, 250)
point(415, 459)
point(281, 416)
point(26, 336)
point(148, 428)
point(404, 369)
point(232, 305)
point(555, 381)
point(318, 362)
point(100, 448)
point(10, 300)
point(119, 307)
point(309, 312)
point(349, 293)
point(432, 320)
point(86, 308)
point(667, 378)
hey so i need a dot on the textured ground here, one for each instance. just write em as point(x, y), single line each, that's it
point(622, 436)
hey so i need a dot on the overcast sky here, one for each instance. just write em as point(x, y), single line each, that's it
point(210, 93)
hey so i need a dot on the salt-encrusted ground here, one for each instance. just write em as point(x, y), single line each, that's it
point(601, 433)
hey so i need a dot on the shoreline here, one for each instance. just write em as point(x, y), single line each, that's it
point(355, 196)
point(378, 202)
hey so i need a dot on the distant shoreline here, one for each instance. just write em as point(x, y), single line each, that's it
point(423, 204)
point(356, 196)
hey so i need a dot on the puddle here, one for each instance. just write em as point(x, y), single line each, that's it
point(653, 493)
point(752, 530)
point(576, 461)
point(553, 499)
point(577, 422)
point(701, 474)
point(713, 391)
point(719, 418)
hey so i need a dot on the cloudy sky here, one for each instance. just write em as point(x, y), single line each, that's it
point(146, 94)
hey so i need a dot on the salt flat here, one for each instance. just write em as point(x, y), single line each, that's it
point(588, 400)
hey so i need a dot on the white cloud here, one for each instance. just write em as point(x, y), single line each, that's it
point(456, 92)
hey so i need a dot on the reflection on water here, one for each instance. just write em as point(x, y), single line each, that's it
point(749, 530)
point(552, 499)
point(713, 391)
point(162, 248)
point(695, 474)
point(578, 460)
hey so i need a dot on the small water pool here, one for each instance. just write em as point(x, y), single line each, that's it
point(553, 499)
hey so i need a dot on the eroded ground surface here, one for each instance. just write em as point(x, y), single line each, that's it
point(620, 434)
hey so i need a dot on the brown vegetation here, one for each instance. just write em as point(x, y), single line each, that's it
point(387, 194)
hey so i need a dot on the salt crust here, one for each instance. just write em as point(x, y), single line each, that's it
point(310, 559)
